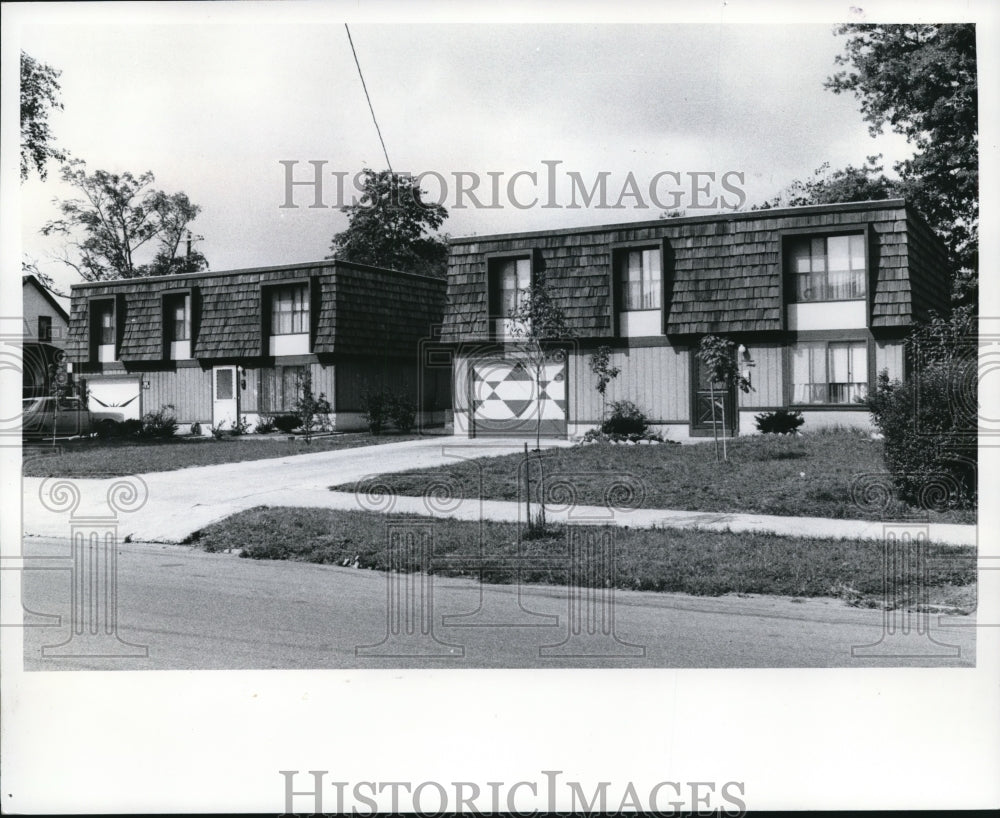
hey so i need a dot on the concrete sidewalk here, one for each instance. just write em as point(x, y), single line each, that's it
point(171, 506)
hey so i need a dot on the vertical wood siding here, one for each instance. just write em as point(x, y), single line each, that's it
point(188, 390)
point(767, 377)
point(656, 379)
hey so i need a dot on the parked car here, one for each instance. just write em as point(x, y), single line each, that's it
point(65, 417)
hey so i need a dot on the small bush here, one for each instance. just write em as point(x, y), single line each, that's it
point(780, 422)
point(265, 425)
point(286, 423)
point(240, 427)
point(196, 428)
point(131, 427)
point(625, 419)
point(218, 430)
point(376, 409)
point(161, 423)
point(403, 411)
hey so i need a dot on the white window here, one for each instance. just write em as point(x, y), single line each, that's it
point(290, 310)
point(103, 330)
point(641, 275)
point(177, 325)
point(831, 268)
point(834, 372)
point(509, 278)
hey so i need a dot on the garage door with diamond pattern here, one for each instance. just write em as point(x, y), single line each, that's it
point(505, 394)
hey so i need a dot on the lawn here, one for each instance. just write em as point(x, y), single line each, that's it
point(93, 457)
point(837, 474)
point(693, 562)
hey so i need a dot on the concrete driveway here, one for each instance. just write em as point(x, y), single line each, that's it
point(169, 506)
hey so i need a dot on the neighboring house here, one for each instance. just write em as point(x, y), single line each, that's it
point(220, 346)
point(45, 326)
point(820, 298)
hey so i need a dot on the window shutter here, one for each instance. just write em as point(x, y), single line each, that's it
point(315, 302)
point(195, 317)
point(120, 318)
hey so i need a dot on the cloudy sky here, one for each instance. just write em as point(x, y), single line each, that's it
point(213, 101)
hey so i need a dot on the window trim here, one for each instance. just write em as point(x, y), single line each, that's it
point(166, 337)
point(826, 231)
point(615, 298)
point(313, 303)
point(492, 261)
point(826, 339)
point(116, 303)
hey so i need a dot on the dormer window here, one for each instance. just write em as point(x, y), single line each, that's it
point(289, 319)
point(177, 325)
point(103, 335)
point(638, 285)
point(826, 281)
point(829, 268)
point(508, 278)
point(641, 276)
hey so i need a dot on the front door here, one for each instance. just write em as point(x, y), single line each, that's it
point(712, 405)
point(224, 401)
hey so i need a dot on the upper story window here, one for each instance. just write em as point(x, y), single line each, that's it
point(103, 336)
point(827, 268)
point(45, 328)
point(290, 310)
point(641, 275)
point(289, 319)
point(177, 325)
point(509, 277)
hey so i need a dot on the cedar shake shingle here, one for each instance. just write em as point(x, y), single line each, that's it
point(362, 311)
point(724, 272)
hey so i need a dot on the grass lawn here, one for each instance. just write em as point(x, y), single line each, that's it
point(693, 562)
point(93, 457)
point(810, 475)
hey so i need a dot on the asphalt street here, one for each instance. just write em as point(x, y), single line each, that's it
point(181, 608)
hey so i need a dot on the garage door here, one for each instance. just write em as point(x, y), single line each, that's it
point(115, 395)
point(507, 400)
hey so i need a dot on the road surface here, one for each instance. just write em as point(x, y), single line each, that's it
point(188, 609)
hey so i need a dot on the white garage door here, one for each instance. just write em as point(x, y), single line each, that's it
point(118, 395)
point(507, 400)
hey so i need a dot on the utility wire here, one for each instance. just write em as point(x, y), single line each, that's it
point(370, 108)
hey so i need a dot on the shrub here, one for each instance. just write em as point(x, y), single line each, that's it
point(780, 422)
point(131, 427)
point(403, 411)
point(196, 428)
point(375, 408)
point(161, 423)
point(240, 427)
point(313, 412)
point(265, 425)
point(625, 419)
point(286, 423)
point(218, 430)
point(929, 436)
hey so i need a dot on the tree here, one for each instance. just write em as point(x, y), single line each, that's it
point(850, 184)
point(123, 218)
point(39, 94)
point(719, 358)
point(920, 80)
point(392, 226)
point(600, 365)
point(537, 324)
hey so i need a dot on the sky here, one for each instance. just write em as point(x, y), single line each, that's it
point(213, 106)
